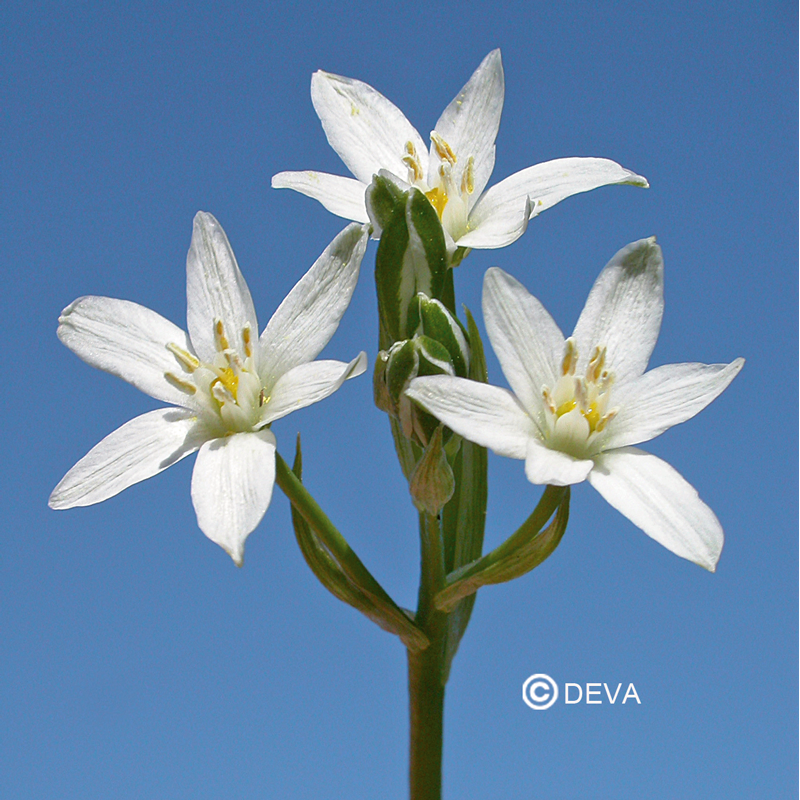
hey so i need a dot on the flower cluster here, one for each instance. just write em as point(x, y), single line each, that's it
point(576, 409)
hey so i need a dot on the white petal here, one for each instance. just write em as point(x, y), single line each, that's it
point(309, 383)
point(498, 230)
point(127, 340)
point(232, 486)
point(138, 450)
point(367, 131)
point(543, 465)
point(654, 497)
point(341, 196)
point(545, 184)
point(664, 397)
point(471, 121)
point(623, 311)
point(307, 319)
point(215, 289)
point(487, 415)
point(526, 340)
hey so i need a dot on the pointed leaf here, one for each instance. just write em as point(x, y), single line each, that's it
point(464, 517)
point(337, 566)
point(519, 554)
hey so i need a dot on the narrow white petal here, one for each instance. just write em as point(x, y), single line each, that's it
point(545, 184)
point(498, 230)
point(655, 498)
point(307, 319)
point(543, 465)
point(623, 311)
point(127, 340)
point(526, 340)
point(367, 131)
point(215, 289)
point(341, 196)
point(232, 486)
point(309, 383)
point(664, 397)
point(471, 121)
point(138, 450)
point(487, 415)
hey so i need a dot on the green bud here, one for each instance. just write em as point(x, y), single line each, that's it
point(436, 322)
point(432, 483)
point(383, 197)
point(411, 256)
point(394, 370)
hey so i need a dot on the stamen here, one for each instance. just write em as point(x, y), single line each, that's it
point(606, 419)
point(412, 162)
point(234, 361)
point(443, 150)
point(219, 335)
point(570, 357)
point(262, 398)
point(468, 178)
point(221, 393)
point(184, 386)
point(596, 364)
point(248, 345)
point(548, 400)
point(186, 360)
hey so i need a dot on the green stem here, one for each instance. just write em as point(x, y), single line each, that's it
point(426, 679)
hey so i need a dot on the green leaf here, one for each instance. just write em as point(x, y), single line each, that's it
point(464, 517)
point(336, 565)
point(519, 554)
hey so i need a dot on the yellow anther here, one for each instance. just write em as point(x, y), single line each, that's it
point(219, 335)
point(468, 178)
point(178, 383)
point(596, 365)
point(415, 168)
point(186, 360)
point(263, 399)
point(443, 150)
point(248, 345)
point(548, 400)
point(438, 199)
point(606, 419)
point(570, 357)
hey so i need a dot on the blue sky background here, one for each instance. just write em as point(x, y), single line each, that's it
point(138, 662)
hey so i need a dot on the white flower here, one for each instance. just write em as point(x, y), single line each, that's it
point(371, 134)
point(578, 405)
point(227, 384)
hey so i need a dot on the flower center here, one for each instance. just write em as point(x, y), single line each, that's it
point(228, 388)
point(448, 188)
point(576, 408)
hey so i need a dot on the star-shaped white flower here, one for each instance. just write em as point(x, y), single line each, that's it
point(579, 404)
point(226, 384)
point(371, 135)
